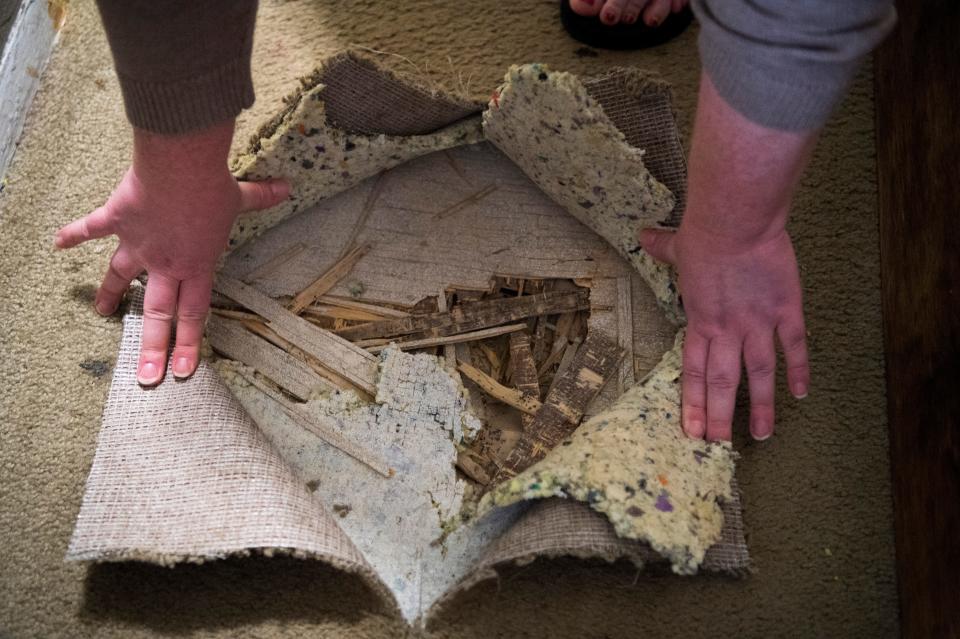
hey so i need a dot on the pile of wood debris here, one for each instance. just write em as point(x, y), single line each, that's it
point(521, 346)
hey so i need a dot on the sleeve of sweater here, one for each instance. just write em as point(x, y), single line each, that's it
point(785, 64)
point(183, 65)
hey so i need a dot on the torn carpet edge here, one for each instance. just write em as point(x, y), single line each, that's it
point(320, 159)
point(182, 474)
point(549, 124)
point(633, 463)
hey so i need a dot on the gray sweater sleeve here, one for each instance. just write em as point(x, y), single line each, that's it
point(785, 64)
point(183, 65)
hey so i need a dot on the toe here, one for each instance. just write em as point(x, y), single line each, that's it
point(656, 12)
point(632, 11)
point(586, 7)
point(612, 11)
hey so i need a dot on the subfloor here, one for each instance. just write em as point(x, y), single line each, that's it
point(816, 496)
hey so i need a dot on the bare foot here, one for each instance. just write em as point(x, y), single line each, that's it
point(612, 12)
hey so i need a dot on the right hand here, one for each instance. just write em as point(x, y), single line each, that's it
point(172, 212)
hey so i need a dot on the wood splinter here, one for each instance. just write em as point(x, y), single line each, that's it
point(451, 339)
point(328, 280)
point(510, 396)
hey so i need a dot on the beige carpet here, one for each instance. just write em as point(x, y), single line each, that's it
point(817, 496)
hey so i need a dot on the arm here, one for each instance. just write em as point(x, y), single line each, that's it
point(184, 69)
point(738, 272)
point(773, 71)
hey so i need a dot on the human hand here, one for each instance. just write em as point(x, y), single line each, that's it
point(737, 295)
point(172, 212)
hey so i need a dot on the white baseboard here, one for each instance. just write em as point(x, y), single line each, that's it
point(22, 62)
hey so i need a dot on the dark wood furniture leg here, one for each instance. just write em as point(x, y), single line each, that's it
point(918, 156)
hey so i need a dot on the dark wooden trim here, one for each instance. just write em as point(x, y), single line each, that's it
point(918, 162)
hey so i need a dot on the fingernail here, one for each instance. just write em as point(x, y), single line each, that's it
point(104, 309)
point(182, 367)
point(761, 430)
point(799, 390)
point(149, 374)
point(695, 428)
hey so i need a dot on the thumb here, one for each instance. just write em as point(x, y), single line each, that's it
point(89, 227)
point(659, 244)
point(255, 196)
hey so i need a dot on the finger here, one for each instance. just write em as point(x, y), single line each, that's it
point(760, 358)
point(793, 339)
point(121, 271)
point(694, 385)
point(255, 196)
point(192, 306)
point(89, 227)
point(723, 377)
point(159, 304)
point(659, 244)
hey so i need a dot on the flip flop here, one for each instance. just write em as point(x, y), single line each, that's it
point(621, 37)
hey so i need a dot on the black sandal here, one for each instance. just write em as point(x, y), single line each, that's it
point(622, 37)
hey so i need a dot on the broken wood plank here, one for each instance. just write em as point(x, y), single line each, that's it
point(335, 353)
point(475, 466)
point(525, 377)
point(373, 309)
point(510, 396)
point(289, 373)
point(328, 280)
point(258, 327)
point(429, 342)
point(328, 435)
point(338, 312)
point(232, 314)
point(494, 359)
point(596, 362)
point(611, 313)
point(471, 316)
